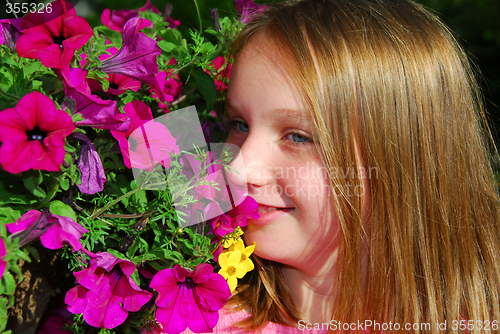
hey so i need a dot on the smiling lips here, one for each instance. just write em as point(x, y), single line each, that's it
point(268, 214)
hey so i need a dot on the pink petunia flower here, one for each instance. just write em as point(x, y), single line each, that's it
point(3, 252)
point(170, 86)
point(106, 292)
point(33, 134)
point(223, 72)
point(147, 142)
point(247, 9)
point(54, 231)
point(53, 37)
point(90, 165)
point(136, 58)
point(189, 298)
point(116, 19)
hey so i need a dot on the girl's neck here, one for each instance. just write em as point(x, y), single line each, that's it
point(312, 293)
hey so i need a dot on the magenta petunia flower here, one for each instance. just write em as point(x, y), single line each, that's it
point(223, 73)
point(116, 19)
point(98, 113)
point(189, 298)
point(170, 86)
point(3, 252)
point(90, 165)
point(54, 231)
point(136, 58)
point(53, 37)
point(147, 142)
point(33, 134)
point(247, 9)
point(106, 292)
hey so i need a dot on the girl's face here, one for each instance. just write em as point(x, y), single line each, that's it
point(284, 174)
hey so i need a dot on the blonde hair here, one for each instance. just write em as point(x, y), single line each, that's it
point(390, 76)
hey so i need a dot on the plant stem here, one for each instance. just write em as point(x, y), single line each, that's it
point(54, 187)
point(199, 16)
point(110, 204)
point(8, 95)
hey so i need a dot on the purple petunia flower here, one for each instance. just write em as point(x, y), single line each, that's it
point(98, 113)
point(116, 19)
point(136, 58)
point(189, 298)
point(106, 292)
point(53, 230)
point(90, 165)
point(248, 9)
point(53, 37)
point(33, 135)
point(10, 30)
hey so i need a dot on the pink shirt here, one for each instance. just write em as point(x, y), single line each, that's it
point(228, 319)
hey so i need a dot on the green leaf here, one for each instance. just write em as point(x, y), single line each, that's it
point(64, 184)
point(61, 209)
point(77, 117)
point(9, 195)
point(181, 54)
point(135, 277)
point(207, 87)
point(32, 180)
point(207, 47)
point(114, 36)
point(32, 68)
point(173, 36)
point(9, 282)
point(116, 253)
point(166, 46)
point(3, 314)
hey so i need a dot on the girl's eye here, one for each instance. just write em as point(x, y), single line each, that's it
point(238, 125)
point(298, 138)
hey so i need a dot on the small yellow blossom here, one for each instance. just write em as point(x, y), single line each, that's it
point(231, 268)
point(245, 253)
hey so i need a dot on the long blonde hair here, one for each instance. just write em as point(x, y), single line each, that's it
point(390, 76)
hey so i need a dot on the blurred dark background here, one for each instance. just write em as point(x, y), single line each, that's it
point(476, 23)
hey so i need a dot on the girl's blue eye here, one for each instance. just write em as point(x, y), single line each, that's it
point(241, 126)
point(297, 138)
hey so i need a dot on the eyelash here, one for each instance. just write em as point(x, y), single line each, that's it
point(233, 124)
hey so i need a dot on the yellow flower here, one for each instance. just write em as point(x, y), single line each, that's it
point(231, 268)
point(245, 253)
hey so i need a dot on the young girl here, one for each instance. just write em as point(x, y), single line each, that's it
point(363, 136)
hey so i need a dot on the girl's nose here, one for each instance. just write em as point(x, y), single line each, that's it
point(251, 166)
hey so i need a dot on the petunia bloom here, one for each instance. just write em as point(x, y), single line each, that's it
point(53, 37)
point(147, 142)
point(247, 9)
point(118, 84)
point(170, 86)
point(98, 113)
point(136, 58)
point(33, 134)
point(116, 19)
point(223, 71)
point(54, 231)
point(90, 165)
point(3, 252)
point(10, 30)
point(189, 298)
point(106, 292)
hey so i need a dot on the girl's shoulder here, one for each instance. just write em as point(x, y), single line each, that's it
point(228, 319)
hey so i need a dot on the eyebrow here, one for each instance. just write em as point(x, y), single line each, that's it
point(296, 115)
